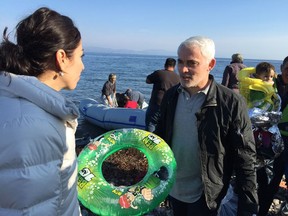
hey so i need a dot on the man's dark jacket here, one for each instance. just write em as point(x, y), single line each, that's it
point(226, 144)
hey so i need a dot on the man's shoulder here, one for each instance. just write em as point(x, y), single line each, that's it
point(139, 93)
point(226, 92)
point(279, 79)
point(237, 66)
point(105, 84)
point(135, 93)
point(173, 89)
point(167, 73)
point(154, 73)
point(160, 71)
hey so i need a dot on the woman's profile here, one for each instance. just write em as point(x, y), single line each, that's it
point(38, 166)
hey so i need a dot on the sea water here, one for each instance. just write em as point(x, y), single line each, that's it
point(131, 71)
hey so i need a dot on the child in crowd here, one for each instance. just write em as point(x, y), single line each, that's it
point(264, 97)
point(257, 87)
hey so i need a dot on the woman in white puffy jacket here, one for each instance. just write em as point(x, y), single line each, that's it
point(38, 166)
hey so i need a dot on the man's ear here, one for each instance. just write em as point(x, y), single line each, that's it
point(212, 64)
point(61, 59)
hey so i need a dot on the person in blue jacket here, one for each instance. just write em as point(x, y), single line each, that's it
point(209, 130)
point(38, 164)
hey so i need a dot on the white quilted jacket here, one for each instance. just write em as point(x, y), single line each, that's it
point(38, 166)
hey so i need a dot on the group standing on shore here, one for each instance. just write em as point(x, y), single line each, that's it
point(257, 87)
point(271, 96)
point(206, 124)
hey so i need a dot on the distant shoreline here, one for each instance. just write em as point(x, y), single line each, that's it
point(98, 50)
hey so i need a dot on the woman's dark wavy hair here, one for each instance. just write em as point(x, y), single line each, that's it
point(39, 37)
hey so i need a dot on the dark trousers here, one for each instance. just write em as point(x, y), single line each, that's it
point(266, 189)
point(152, 117)
point(285, 156)
point(198, 208)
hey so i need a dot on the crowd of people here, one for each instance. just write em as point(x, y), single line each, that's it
point(129, 99)
point(265, 94)
point(192, 102)
point(208, 125)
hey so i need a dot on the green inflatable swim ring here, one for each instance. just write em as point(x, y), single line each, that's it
point(103, 198)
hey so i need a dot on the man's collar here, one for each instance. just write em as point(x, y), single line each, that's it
point(205, 90)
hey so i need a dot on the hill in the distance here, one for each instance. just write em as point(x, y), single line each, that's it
point(127, 51)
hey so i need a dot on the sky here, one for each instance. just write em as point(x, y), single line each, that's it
point(258, 29)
